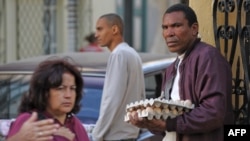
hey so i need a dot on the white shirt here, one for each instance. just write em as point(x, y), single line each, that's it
point(171, 136)
point(175, 88)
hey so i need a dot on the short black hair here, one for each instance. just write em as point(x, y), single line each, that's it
point(188, 12)
point(114, 19)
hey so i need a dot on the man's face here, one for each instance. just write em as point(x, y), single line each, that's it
point(103, 33)
point(177, 33)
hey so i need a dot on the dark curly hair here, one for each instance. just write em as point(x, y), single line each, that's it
point(48, 75)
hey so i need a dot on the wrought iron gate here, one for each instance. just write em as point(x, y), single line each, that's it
point(232, 36)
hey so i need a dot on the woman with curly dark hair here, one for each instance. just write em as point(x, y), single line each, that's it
point(55, 92)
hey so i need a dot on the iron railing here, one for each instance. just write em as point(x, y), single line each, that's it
point(232, 36)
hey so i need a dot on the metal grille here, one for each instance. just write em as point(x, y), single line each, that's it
point(35, 28)
point(49, 30)
point(30, 28)
point(232, 39)
point(84, 21)
point(72, 23)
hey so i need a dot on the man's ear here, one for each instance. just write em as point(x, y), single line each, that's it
point(195, 28)
point(115, 29)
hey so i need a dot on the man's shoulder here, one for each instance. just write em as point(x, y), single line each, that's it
point(203, 48)
point(205, 52)
point(127, 52)
point(205, 45)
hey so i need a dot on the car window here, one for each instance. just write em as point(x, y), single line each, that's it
point(90, 105)
point(93, 92)
point(153, 85)
point(12, 87)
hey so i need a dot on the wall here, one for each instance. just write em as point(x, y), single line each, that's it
point(203, 9)
point(101, 7)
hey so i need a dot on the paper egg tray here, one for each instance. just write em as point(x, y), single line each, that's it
point(158, 108)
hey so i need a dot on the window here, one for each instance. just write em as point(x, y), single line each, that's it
point(12, 88)
point(153, 85)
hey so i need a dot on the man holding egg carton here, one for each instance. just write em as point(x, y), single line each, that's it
point(200, 74)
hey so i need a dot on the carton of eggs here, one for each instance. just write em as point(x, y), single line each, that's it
point(157, 108)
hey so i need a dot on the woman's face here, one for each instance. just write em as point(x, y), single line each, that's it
point(62, 99)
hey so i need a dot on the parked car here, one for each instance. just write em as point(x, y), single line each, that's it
point(15, 76)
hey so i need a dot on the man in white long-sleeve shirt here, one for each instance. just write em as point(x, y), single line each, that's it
point(124, 82)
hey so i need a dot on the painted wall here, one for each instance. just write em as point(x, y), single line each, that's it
point(203, 9)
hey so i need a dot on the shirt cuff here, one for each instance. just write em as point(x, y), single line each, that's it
point(171, 124)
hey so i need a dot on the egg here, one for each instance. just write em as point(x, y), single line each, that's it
point(188, 103)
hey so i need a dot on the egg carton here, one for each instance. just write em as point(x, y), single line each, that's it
point(158, 108)
point(181, 104)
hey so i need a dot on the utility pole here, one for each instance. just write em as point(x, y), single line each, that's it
point(128, 21)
